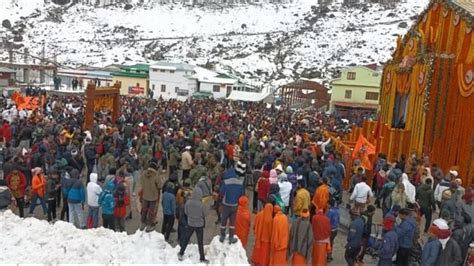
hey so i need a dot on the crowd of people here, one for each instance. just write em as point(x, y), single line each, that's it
point(188, 157)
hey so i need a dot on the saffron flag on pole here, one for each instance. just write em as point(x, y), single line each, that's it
point(363, 149)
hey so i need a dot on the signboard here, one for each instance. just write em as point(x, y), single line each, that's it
point(136, 90)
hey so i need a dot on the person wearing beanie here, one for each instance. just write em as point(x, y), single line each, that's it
point(450, 253)
point(405, 232)
point(387, 247)
point(76, 197)
point(151, 184)
point(93, 192)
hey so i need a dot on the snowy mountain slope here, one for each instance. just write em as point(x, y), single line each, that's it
point(34, 241)
point(266, 43)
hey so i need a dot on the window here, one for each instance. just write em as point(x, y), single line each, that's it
point(216, 88)
point(162, 70)
point(375, 74)
point(153, 87)
point(163, 88)
point(372, 96)
point(176, 89)
point(351, 75)
point(171, 71)
point(155, 70)
point(348, 94)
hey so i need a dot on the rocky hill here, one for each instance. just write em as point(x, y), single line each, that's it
point(263, 43)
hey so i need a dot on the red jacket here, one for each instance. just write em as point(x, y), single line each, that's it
point(121, 211)
point(7, 132)
point(263, 188)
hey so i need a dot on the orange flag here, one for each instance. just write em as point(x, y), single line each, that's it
point(363, 149)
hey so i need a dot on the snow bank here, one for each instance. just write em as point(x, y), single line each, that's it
point(34, 241)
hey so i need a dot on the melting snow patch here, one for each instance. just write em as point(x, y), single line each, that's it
point(33, 241)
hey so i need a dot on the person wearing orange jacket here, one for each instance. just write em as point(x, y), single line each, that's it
point(122, 201)
point(242, 222)
point(321, 196)
point(280, 238)
point(263, 235)
point(38, 190)
point(321, 238)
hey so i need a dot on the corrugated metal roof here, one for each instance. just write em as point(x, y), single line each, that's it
point(466, 4)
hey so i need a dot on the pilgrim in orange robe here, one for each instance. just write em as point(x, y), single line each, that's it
point(280, 238)
point(263, 236)
point(242, 222)
point(321, 197)
point(321, 238)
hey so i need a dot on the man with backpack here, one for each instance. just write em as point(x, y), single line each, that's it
point(107, 203)
point(76, 197)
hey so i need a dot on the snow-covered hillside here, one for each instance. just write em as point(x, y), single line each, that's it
point(34, 241)
point(264, 43)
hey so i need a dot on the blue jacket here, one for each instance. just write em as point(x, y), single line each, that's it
point(106, 198)
point(232, 187)
point(169, 203)
point(430, 253)
point(333, 214)
point(389, 245)
point(356, 230)
point(75, 192)
point(313, 181)
point(406, 232)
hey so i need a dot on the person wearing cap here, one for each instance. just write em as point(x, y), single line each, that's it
point(187, 162)
point(387, 247)
point(405, 232)
point(450, 253)
point(38, 188)
point(301, 242)
point(443, 185)
point(151, 184)
point(302, 198)
point(449, 204)
point(432, 248)
point(354, 237)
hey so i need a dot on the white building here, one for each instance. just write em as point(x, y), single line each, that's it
point(172, 80)
point(212, 83)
